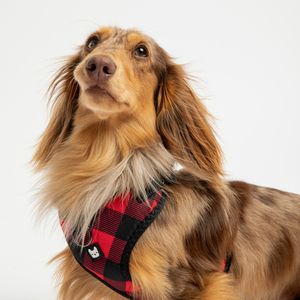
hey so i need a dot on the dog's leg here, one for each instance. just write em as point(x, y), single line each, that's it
point(219, 286)
point(216, 286)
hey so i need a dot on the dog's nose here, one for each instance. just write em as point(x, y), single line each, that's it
point(100, 68)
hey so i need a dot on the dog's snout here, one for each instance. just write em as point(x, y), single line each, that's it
point(100, 68)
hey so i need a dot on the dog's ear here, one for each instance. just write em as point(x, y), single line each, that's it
point(184, 125)
point(63, 96)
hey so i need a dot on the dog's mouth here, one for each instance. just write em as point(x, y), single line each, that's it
point(99, 93)
point(96, 90)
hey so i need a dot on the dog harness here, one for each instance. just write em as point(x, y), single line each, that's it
point(108, 244)
point(113, 234)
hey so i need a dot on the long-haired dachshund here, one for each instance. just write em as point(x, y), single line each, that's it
point(123, 114)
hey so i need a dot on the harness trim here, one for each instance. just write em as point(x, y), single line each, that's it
point(137, 234)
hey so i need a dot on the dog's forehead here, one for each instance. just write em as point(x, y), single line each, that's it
point(126, 37)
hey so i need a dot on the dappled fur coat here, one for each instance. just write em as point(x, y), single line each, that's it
point(123, 113)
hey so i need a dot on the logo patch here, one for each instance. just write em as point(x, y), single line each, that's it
point(94, 251)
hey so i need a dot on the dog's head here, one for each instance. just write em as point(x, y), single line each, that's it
point(117, 76)
point(125, 79)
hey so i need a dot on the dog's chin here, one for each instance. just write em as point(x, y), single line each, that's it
point(102, 103)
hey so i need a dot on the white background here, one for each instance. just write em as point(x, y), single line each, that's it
point(245, 53)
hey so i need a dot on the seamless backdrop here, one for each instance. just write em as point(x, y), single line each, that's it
point(246, 55)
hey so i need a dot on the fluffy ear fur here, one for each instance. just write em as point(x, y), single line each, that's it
point(63, 93)
point(184, 125)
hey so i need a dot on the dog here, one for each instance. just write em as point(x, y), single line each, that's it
point(123, 114)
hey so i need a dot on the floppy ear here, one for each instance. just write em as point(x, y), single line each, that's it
point(184, 125)
point(63, 93)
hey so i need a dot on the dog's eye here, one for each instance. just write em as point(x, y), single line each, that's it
point(141, 52)
point(93, 43)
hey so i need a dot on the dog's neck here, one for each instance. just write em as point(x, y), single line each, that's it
point(94, 164)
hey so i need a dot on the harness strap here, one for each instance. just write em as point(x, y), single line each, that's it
point(227, 263)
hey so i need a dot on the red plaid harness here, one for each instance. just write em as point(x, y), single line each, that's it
point(113, 234)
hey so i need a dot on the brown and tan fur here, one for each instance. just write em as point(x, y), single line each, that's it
point(147, 119)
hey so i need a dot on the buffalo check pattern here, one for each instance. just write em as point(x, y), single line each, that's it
point(113, 234)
